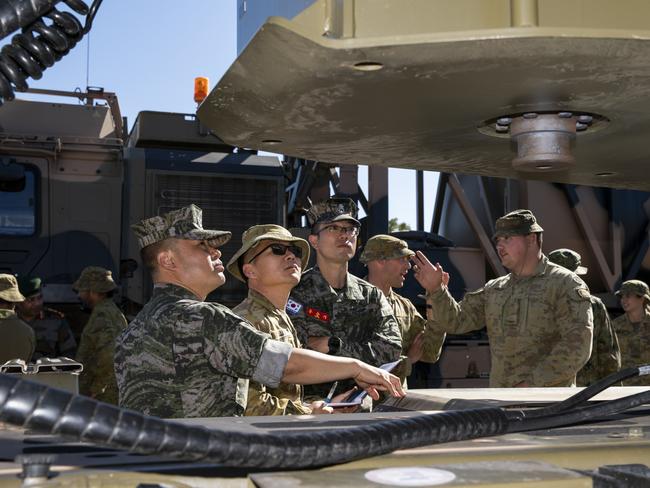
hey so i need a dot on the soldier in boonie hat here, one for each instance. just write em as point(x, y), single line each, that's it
point(9, 291)
point(516, 223)
point(184, 223)
point(568, 259)
point(384, 247)
point(253, 239)
point(635, 287)
point(95, 278)
point(333, 210)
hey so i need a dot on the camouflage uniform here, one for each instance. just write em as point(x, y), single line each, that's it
point(286, 399)
point(54, 336)
point(605, 352)
point(358, 314)
point(634, 337)
point(17, 337)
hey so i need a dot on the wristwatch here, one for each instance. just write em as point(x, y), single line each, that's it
point(334, 345)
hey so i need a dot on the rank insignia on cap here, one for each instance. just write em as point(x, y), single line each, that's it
point(317, 314)
point(293, 307)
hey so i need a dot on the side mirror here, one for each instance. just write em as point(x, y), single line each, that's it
point(12, 176)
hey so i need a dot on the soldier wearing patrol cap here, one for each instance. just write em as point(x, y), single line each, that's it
point(18, 339)
point(184, 357)
point(334, 311)
point(95, 287)
point(605, 352)
point(389, 260)
point(538, 317)
point(633, 328)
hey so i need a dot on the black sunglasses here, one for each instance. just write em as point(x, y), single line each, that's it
point(280, 250)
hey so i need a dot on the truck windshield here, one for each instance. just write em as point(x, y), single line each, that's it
point(18, 209)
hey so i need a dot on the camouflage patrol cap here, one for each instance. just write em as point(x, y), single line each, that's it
point(29, 285)
point(568, 259)
point(184, 223)
point(95, 278)
point(333, 210)
point(516, 223)
point(384, 247)
point(9, 291)
point(258, 233)
point(635, 287)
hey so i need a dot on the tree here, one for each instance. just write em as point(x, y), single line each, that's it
point(394, 226)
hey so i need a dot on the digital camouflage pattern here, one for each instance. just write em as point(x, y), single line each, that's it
point(9, 291)
point(54, 336)
point(358, 314)
point(540, 327)
point(516, 223)
point(184, 223)
point(384, 247)
point(332, 210)
point(182, 357)
point(95, 278)
point(634, 340)
point(411, 323)
point(286, 399)
point(96, 351)
point(18, 339)
point(605, 352)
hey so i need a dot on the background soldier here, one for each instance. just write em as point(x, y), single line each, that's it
point(95, 287)
point(54, 337)
point(538, 317)
point(334, 311)
point(633, 328)
point(184, 357)
point(388, 261)
point(605, 352)
point(18, 340)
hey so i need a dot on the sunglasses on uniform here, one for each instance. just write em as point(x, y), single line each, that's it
point(352, 231)
point(280, 250)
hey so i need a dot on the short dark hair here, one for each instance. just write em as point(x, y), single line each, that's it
point(149, 254)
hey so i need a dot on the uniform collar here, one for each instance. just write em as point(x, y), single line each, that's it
point(350, 290)
point(173, 289)
point(7, 314)
point(258, 299)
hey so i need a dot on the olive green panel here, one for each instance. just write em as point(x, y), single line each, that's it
point(597, 14)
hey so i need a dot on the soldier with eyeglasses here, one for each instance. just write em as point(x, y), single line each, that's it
point(334, 311)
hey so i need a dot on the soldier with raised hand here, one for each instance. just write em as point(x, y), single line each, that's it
point(633, 328)
point(389, 260)
point(184, 357)
point(95, 287)
point(54, 337)
point(18, 341)
point(605, 352)
point(334, 311)
point(538, 316)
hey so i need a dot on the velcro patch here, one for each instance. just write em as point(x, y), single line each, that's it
point(293, 307)
point(317, 314)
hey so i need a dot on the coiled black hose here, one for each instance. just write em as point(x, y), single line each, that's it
point(40, 45)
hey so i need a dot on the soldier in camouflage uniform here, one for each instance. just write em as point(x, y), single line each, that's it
point(334, 311)
point(18, 339)
point(388, 261)
point(538, 317)
point(605, 352)
point(184, 357)
point(633, 328)
point(95, 287)
point(270, 262)
point(54, 336)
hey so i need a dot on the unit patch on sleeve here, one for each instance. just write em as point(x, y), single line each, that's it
point(293, 307)
point(317, 314)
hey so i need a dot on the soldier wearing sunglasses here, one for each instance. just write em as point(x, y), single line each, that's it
point(334, 311)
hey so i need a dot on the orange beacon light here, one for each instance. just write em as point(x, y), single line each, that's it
point(201, 88)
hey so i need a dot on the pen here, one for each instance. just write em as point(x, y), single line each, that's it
point(329, 396)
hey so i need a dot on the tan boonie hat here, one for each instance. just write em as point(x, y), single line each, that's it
point(384, 247)
point(635, 287)
point(568, 259)
point(333, 210)
point(95, 278)
point(265, 232)
point(9, 289)
point(516, 223)
point(184, 223)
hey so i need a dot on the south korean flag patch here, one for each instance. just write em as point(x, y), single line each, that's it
point(293, 307)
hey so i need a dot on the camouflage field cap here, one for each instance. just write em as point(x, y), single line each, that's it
point(384, 247)
point(516, 223)
point(568, 259)
point(333, 210)
point(9, 291)
point(184, 223)
point(95, 278)
point(258, 233)
point(635, 287)
point(29, 285)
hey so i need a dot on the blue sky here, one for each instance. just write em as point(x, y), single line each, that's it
point(149, 51)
